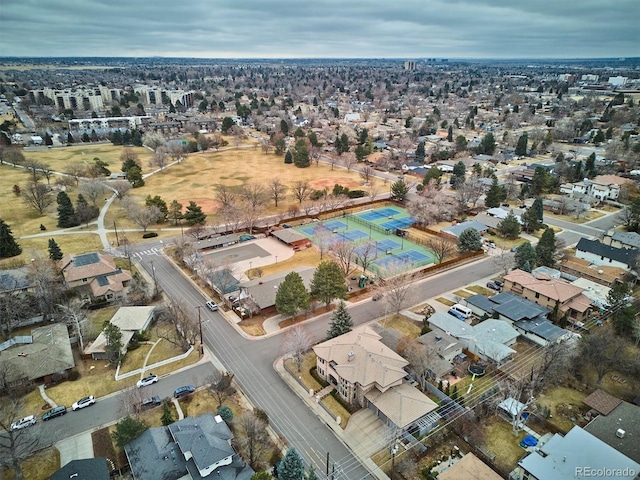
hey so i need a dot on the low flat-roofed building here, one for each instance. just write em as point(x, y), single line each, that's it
point(293, 238)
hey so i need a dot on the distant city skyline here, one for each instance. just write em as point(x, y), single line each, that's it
point(498, 29)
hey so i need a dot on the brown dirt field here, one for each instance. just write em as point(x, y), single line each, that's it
point(208, 205)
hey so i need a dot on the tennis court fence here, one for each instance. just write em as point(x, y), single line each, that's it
point(373, 226)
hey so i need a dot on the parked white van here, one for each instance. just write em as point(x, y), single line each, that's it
point(462, 310)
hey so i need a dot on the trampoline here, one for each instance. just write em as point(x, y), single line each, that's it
point(477, 370)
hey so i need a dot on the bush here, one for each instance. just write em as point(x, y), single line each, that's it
point(356, 193)
point(226, 414)
point(314, 373)
point(150, 235)
point(73, 375)
point(262, 415)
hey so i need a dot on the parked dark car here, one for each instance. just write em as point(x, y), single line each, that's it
point(494, 286)
point(151, 402)
point(500, 283)
point(54, 412)
point(182, 391)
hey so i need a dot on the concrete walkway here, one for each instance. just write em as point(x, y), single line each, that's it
point(176, 403)
point(44, 396)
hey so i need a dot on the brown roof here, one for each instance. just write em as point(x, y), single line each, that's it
point(88, 265)
point(469, 467)
point(611, 179)
point(602, 402)
point(550, 287)
point(580, 265)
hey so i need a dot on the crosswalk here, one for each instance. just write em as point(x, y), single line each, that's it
point(151, 251)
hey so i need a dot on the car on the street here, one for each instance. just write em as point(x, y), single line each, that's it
point(146, 381)
point(54, 412)
point(150, 402)
point(24, 423)
point(182, 391)
point(494, 286)
point(212, 306)
point(83, 402)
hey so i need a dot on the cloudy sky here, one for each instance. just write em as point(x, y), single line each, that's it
point(321, 28)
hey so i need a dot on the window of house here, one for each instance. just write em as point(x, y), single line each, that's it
point(537, 295)
point(110, 296)
point(84, 280)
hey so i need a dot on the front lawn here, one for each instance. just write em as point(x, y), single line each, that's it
point(402, 324)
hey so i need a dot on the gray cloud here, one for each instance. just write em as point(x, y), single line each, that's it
point(324, 28)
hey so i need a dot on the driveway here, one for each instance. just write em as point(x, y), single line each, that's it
point(75, 448)
point(368, 433)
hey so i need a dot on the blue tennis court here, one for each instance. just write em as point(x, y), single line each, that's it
point(399, 223)
point(384, 245)
point(355, 234)
point(335, 225)
point(314, 229)
point(378, 214)
point(410, 257)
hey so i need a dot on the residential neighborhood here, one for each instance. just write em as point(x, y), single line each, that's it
point(408, 269)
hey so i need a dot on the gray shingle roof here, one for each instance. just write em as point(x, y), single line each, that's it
point(625, 416)
point(456, 230)
point(623, 255)
point(542, 328)
point(631, 239)
point(204, 437)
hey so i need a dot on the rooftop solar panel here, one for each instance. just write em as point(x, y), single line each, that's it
point(86, 259)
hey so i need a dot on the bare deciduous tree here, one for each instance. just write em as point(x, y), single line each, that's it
point(349, 160)
point(373, 192)
point(75, 316)
point(265, 144)
point(301, 190)
point(220, 385)
point(143, 216)
point(421, 359)
point(432, 206)
point(46, 283)
point(160, 157)
point(120, 188)
point(153, 140)
point(254, 196)
point(344, 253)
point(185, 325)
point(365, 253)
point(470, 191)
point(252, 438)
point(76, 171)
point(277, 189)
point(295, 343)
point(47, 171)
point(34, 168)
point(92, 189)
point(37, 196)
point(15, 445)
point(441, 247)
point(397, 287)
point(367, 174)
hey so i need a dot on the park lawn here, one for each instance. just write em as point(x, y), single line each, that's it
point(309, 257)
point(499, 440)
point(402, 324)
point(445, 301)
point(39, 465)
point(60, 158)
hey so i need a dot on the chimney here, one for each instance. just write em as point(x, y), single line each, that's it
point(350, 355)
point(620, 433)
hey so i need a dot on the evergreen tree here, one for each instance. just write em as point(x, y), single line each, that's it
point(525, 254)
point(590, 166)
point(495, 195)
point(328, 283)
point(458, 175)
point(288, 158)
point(344, 143)
point(227, 123)
point(539, 209)
point(128, 429)
point(421, 153)
point(509, 227)
point(450, 134)
point(284, 127)
point(8, 245)
point(226, 413)
point(530, 222)
point(157, 201)
point(618, 294)
point(54, 250)
point(546, 248)
point(311, 475)
point(134, 175)
point(540, 182)
point(175, 211)
point(194, 214)
point(300, 153)
point(167, 414)
point(291, 467)
point(292, 295)
point(66, 213)
point(487, 144)
point(526, 267)
point(341, 321)
point(521, 147)
point(84, 211)
point(469, 241)
point(399, 190)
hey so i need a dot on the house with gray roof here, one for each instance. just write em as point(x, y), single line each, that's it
point(489, 340)
point(578, 454)
point(83, 469)
point(195, 448)
point(15, 280)
point(620, 239)
point(262, 291)
point(619, 428)
point(601, 254)
point(458, 228)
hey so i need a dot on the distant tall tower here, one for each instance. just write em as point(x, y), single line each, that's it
point(409, 65)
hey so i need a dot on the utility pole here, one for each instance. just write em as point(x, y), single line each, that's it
point(116, 230)
point(327, 464)
point(155, 283)
point(200, 324)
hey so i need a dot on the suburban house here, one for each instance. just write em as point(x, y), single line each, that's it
point(441, 350)
point(528, 318)
point(193, 448)
point(366, 372)
point(458, 228)
point(620, 239)
point(95, 276)
point(549, 292)
point(602, 187)
point(617, 423)
point(260, 293)
point(601, 274)
point(600, 254)
point(84, 469)
point(578, 454)
point(15, 280)
point(489, 340)
point(469, 467)
point(39, 357)
point(130, 320)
